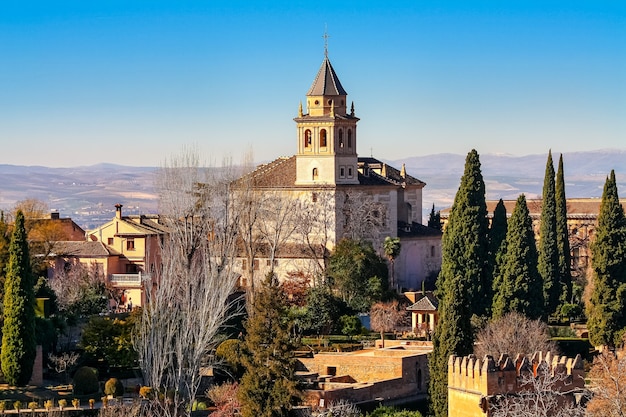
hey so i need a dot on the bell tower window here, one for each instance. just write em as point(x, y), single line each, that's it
point(349, 138)
point(323, 138)
point(307, 138)
point(341, 138)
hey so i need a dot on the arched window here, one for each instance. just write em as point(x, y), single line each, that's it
point(307, 138)
point(341, 138)
point(323, 138)
point(349, 138)
point(315, 174)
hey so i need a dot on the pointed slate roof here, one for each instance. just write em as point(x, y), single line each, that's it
point(428, 302)
point(326, 82)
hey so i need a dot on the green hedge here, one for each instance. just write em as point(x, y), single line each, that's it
point(572, 346)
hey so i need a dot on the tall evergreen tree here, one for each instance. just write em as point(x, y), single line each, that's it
point(18, 331)
point(562, 237)
point(434, 219)
point(520, 288)
point(607, 307)
point(268, 387)
point(497, 242)
point(461, 284)
point(548, 247)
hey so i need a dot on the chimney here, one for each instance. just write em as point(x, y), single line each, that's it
point(118, 211)
point(54, 215)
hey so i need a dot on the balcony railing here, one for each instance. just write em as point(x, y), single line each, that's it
point(128, 279)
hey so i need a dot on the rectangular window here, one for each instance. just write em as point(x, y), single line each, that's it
point(255, 264)
point(349, 172)
point(314, 197)
point(110, 241)
point(130, 244)
point(342, 172)
point(244, 265)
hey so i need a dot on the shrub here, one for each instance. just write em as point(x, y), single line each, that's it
point(76, 402)
point(33, 405)
point(114, 387)
point(3, 405)
point(86, 381)
point(62, 404)
point(145, 392)
point(17, 405)
point(48, 404)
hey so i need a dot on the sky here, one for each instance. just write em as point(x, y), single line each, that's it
point(133, 82)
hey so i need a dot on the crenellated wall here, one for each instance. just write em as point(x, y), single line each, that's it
point(473, 382)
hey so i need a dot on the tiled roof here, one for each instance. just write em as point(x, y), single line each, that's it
point(84, 249)
point(326, 82)
point(280, 173)
point(389, 173)
point(416, 230)
point(143, 225)
point(428, 302)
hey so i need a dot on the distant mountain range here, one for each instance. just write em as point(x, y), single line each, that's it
point(88, 193)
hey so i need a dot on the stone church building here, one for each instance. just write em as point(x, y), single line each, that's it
point(329, 193)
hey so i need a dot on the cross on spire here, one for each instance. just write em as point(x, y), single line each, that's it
point(326, 36)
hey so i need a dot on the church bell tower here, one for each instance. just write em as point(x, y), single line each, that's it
point(326, 133)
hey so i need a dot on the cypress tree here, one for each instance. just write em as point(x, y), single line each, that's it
point(461, 284)
point(548, 247)
point(497, 242)
point(608, 298)
point(562, 237)
point(519, 287)
point(434, 219)
point(268, 387)
point(18, 332)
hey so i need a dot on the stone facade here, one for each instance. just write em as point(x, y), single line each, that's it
point(474, 385)
point(390, 374)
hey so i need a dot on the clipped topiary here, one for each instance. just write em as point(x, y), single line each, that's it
point(86, 381)
point(114, 387)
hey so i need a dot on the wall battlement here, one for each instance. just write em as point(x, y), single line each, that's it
point(472, 380)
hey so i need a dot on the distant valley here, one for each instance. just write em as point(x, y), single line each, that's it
point(88, 193)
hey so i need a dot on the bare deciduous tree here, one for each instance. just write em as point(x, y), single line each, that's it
point(543, 395)
point(364, 217)
point(341, 408)
point(188, 296)
point(608, 383)
point(512, 334)
point(279, 222)
point(76, 283)
point(315, 227)
point(386, 317)
point(64, 362)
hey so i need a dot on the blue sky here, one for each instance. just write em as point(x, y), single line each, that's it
point(131, 82)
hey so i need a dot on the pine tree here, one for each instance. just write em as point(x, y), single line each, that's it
point(548, 248)
point(268, 387)
point(461, 284)
point(562, 237)
point(18, 331)
point(606, 309)
point(520, 287)
point(497, 242)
